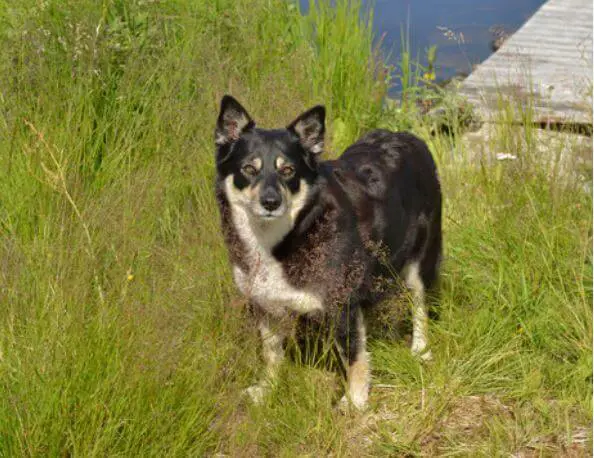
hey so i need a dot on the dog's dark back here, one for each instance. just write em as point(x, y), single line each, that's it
point(391, 179)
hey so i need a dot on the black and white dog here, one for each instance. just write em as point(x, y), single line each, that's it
point(314, 239)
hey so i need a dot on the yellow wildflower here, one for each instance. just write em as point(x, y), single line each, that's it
point(429, 76)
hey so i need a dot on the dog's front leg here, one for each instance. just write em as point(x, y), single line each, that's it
point(273, 338)
point(352, 342)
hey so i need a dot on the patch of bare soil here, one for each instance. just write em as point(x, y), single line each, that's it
point(462, 424)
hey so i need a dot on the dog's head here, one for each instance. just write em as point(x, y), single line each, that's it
point(267, 172)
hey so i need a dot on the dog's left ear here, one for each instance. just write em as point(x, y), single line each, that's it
point(310, 128)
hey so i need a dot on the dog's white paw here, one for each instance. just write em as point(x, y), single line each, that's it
point(419, 348)
point(345, 404)
point(423, 354)
point(257, 392)
point(426, 356)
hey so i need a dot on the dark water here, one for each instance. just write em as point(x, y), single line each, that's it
point(470, 21)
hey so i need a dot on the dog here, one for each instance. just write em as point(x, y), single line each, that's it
point(314, 239)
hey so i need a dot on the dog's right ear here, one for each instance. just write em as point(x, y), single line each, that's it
point(232, 122)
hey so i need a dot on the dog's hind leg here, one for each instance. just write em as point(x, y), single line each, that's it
point(416, 285)
point(352, 343)
point(273, 336)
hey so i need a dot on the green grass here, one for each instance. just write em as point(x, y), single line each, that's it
point(120, 331)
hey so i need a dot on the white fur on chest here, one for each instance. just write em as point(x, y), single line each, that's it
point(266, 282)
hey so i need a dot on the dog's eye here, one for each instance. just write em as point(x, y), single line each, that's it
point(287, 171)
point(249, 170)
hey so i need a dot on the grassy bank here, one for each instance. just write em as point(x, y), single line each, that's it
point(120, 331)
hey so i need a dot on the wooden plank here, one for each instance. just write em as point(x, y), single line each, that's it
point(547, 63)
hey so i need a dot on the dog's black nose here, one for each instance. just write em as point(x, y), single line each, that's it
point(270, 201)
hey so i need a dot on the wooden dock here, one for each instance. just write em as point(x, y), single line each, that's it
point(547, 63)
